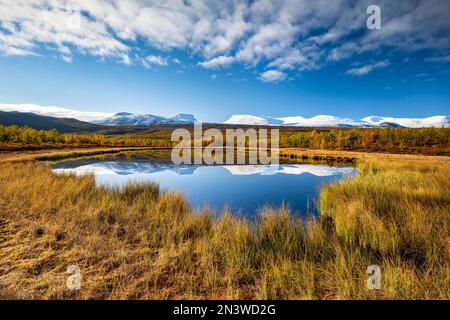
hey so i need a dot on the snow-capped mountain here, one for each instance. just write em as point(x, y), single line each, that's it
point(332, 121)
point(184, 117)
point(102, 118)
point(125, 118)
point(317, 121)
point(131, 119)
point(436, 121)
point(250, 120)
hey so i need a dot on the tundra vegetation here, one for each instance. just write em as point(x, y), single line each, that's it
point(398, 140)
point(138, 242)
point(432, 141)
point(22, 137)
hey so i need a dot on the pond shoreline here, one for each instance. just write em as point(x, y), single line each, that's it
point(295, 153)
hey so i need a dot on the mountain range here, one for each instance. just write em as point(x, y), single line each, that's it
point(333, 121)
point(130, 119)
point(46, 123)
point(41, 117)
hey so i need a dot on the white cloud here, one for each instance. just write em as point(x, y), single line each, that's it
point(13, 51)
point(57, 112)
point(30, 23)
point(67, 58)
point(306, 58)
point(126, 60)
point(360, 71)
point(288, 35)
point(217, 62)
point(155, 61)
point(272, 76)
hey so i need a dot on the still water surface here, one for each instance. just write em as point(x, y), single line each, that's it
point(244, 189)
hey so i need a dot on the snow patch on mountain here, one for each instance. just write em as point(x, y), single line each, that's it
point(319, 121)
point(184, 117)
point(103, 118)
point(436, 121)
point(248, 119)
point(125, 118)
point(333, 121)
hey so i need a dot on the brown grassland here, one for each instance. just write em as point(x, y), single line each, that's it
point(141, 243)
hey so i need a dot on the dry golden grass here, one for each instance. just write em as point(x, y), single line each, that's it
point(384, 156)
point(63, 153)
point(140, 243)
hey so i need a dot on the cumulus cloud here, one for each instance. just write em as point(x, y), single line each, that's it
point(126, 60)
point(360, 71)
point(153, 60)
point(67, 59)
point(290, 36)
point(272, 76)
point(217, 62)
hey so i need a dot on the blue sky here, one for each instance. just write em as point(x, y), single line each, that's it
point(321, 60)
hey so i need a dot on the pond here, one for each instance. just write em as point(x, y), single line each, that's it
point(243, 189)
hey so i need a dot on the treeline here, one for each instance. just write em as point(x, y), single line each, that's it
point(421, 140)
point(28, 136)
point(376, 139)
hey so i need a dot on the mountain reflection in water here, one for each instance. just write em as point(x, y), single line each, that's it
point(243, 189)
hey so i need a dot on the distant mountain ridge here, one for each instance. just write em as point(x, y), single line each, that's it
point(46, 123)
point(87, 120)
point(333, 121)
point(130, 119)
point(99, 118)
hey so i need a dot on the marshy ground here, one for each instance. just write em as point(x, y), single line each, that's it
point(141, 243)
